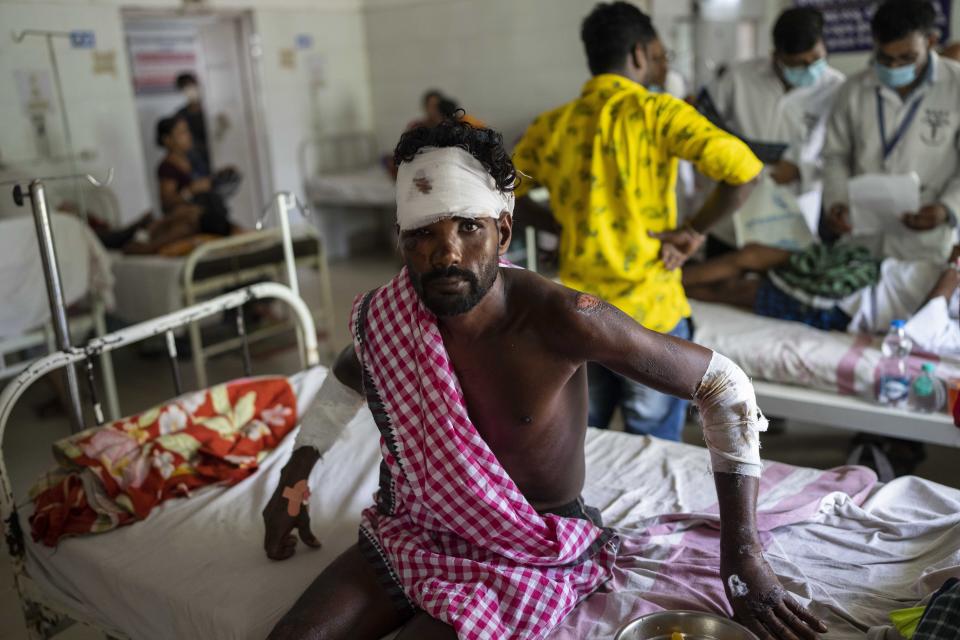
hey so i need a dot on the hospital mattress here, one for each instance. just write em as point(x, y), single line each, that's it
point(196, 567)
point(84, 268)
point(364, 187)
point(794, 353)
point(148, 286)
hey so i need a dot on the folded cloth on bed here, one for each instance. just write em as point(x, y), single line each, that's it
point(113, 475)
point(461, 540)
point(832, 272)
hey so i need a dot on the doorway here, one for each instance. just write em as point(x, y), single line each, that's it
point(217, 48)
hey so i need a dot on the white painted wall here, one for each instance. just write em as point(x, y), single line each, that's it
point(293, 108)
point(505, 61)
point(102, 111)
point(100, 107)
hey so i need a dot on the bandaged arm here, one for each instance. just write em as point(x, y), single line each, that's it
point(730, 418)
point(327, 416)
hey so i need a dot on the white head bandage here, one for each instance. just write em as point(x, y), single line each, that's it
point(730, 418)
point(444, 183)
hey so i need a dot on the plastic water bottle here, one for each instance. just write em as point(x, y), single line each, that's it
point(894, 381)
point(927, 393)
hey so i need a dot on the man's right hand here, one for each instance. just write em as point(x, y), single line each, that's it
point(279, 541)
point(837, 220)
point(677, 246)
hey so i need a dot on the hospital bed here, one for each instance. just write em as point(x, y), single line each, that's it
point(813, 376)
point(816, 376)
point(196, 568)
point(345, 180)
point(345, 170)
point(149, 286)
point(25, 321)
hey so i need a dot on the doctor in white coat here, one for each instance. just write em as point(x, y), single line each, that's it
point(786, 99)
point(900, 115)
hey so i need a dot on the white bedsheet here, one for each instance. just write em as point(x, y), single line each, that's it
point(84, 267)
point(196, 568)
point(371, 186)
point(794, 353)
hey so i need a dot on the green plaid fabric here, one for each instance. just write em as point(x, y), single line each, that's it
point(830, 271)
point(941, 620)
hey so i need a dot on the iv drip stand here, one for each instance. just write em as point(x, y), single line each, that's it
point(18, 37)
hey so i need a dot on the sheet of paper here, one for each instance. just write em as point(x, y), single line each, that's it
point(878, 202)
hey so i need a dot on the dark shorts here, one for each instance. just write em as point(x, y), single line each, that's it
point(387, 577)
point(774, 303)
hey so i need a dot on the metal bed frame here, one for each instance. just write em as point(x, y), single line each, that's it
point(336, 152)
point(44, 617)
point(82, 324)
point(250, 258)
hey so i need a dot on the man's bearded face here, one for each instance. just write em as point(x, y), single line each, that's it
point(452, 263)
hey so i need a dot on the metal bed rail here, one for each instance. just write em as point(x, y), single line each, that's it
point(36, 193)
point(196, 286)
point(44, 619)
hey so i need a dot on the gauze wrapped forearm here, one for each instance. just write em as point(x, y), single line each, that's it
point(730, 418)
point(327, 416)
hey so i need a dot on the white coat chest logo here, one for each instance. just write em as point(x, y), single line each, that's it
point(935, 126)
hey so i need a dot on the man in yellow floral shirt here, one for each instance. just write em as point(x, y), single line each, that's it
point(609, 161)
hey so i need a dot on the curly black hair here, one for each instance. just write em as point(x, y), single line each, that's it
point(486, 145)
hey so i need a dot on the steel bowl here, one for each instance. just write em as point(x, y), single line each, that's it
point(694, 625)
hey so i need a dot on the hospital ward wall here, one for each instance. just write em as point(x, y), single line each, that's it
point(504, 60)
point(96, 87)
point(326, 88)
point(306, 86)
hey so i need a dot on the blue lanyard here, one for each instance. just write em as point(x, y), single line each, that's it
point(888, 145)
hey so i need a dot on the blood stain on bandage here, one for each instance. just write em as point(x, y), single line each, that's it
point(423, 184)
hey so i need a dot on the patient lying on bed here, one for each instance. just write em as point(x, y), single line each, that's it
point(847, 291)
point(475, 375)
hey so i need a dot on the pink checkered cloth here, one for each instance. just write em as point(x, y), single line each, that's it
point(460, 539)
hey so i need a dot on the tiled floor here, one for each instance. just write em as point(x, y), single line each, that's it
point(144, 382)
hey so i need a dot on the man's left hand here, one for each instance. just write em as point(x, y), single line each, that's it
point(929, 217)
point(785, 172)
point(677, 246)
point(762, 604)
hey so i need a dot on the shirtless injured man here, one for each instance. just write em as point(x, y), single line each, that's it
point(475, 373)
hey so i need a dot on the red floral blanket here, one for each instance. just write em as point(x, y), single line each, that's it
point(114, 475)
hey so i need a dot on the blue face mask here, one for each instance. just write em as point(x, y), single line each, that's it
point(804, 76)
point(655, 88)
point(896, 77)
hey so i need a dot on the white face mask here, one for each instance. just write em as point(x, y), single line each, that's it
point(191, 93)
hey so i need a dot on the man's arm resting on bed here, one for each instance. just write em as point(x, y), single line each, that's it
point(597, 332)
point(327, 416)
point(337, 401)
